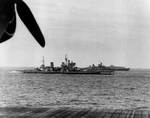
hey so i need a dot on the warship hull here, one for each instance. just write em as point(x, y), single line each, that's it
point(108, 72)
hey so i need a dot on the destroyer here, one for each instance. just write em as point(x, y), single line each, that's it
point(69, 67)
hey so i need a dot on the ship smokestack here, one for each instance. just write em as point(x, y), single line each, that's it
point(52, 64)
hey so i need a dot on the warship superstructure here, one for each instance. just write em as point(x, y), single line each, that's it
point(69, 67)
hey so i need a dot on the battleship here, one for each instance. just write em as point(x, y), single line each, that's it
point(69, 67)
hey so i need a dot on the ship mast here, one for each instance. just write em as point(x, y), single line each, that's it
point(43, 61)
point(66, 59)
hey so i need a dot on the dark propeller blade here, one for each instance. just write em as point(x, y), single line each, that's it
point(8, 20)
point(30, 22)
point(10, 30)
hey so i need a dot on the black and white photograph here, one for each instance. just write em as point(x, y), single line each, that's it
point(74, 59)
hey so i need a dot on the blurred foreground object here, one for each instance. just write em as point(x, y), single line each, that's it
point(8, 20)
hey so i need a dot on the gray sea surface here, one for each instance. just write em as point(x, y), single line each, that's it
point(125, 90)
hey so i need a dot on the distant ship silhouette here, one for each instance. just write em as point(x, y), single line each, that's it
point(69, 67)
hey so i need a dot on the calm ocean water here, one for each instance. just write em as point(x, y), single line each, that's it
point(123, 90)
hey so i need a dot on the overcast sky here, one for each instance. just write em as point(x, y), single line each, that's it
point(116, 32)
